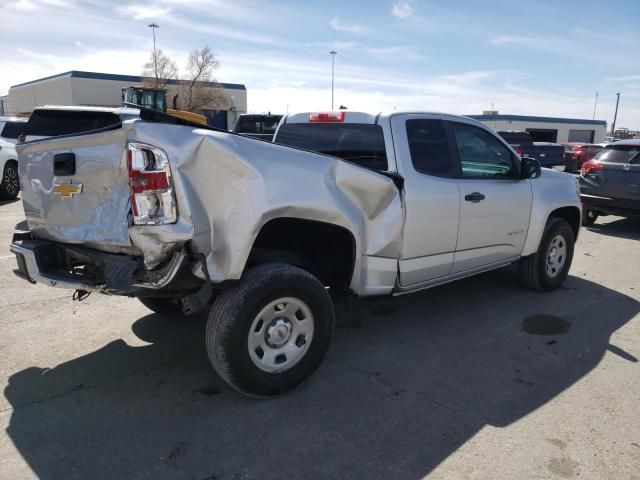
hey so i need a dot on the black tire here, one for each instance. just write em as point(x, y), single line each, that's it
point(9, 183)
point(589, 217)
point(165, 306)
point(234, 312)
point(532, 270)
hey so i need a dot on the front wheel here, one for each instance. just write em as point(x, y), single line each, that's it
point(549, 266)
point(267, 334)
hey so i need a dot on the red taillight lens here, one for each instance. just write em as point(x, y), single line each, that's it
point(590, 166)
point(152, 199)
point(326, 117)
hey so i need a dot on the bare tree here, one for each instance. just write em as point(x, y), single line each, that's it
point(158, 70)
point(197, 93)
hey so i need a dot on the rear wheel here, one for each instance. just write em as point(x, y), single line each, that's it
point(589, 217)
point(549, 266)
point(9, 184)
point(267, 334)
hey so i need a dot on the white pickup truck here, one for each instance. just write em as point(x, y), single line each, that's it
point(185, 218)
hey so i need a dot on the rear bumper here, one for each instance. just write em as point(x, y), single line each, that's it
point(612, 206)
point(69, 266)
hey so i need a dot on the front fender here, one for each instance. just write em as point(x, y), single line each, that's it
point(551, 192)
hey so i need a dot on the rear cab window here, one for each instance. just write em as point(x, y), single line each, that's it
point(429, 147)
point(52, 123)
point(359, 143)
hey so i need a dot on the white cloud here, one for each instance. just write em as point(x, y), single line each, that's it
point(402, 9)
point(389, 53)
point(144, 12)
point(348, 27)
point(22, 5)
point(625, 78)
point(516, 40)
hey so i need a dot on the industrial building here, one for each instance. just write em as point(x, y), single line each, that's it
point(105, 90)
point(547, 129)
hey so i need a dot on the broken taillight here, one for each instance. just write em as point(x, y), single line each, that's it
point(153, 201)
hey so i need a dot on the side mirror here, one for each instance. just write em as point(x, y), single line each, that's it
point(530, 168)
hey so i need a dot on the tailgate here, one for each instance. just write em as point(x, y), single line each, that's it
point(75, 189)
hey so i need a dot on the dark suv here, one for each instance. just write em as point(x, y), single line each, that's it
point(610, 183)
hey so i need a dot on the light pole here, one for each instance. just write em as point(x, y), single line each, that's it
point(333, 54)
point(615, 115)
point(594, 107)
point(153, 27)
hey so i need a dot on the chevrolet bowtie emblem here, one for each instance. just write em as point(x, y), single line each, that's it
point(66, 189)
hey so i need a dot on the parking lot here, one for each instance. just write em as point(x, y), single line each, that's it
point(454, 382)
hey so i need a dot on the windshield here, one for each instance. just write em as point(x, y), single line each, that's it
point(13, 129)
point(358, 143)
point(618, 154)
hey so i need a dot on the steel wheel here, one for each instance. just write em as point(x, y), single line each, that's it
point(280, 334)
point(10, 180)
point(556, 256)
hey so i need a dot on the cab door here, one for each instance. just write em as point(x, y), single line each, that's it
point(495, 203)
point(431, 197)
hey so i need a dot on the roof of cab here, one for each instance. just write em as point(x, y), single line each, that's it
point(364, 117)
point(82, 108)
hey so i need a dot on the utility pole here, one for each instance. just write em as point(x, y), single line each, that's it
point(333, 54)
point(594, 107)
point(153, 27)
point(615, 115)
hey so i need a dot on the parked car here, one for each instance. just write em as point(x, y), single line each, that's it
point(179, 216)
point(610, 182)
point(582, 152)
point(258, 126)
point(550, 155)
point(9, 184)
point(11, 128)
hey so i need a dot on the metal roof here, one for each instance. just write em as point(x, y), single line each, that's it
point(528, 118)
point(119, 78)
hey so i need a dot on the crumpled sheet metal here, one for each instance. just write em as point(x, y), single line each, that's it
point(229, 186)
point(95, 217)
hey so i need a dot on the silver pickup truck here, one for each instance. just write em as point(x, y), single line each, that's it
point(264, 235)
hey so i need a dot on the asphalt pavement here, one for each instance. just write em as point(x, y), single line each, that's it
point(478, 379)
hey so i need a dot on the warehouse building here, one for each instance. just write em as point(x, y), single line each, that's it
point(105, 90)
point(547, 129)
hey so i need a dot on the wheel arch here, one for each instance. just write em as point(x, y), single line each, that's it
point(571, 215)
point(10, 161)
point(326, 250)
point(569, 212)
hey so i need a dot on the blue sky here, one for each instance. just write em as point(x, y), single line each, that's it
point(535, 58)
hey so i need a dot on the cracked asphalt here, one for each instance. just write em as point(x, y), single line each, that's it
point(443, 384)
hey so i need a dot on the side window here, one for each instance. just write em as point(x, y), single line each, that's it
point(481, 154)
point(429, 147)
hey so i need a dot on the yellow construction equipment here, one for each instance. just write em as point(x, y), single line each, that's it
point(156, 99)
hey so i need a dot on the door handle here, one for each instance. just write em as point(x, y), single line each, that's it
point(474, 197)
